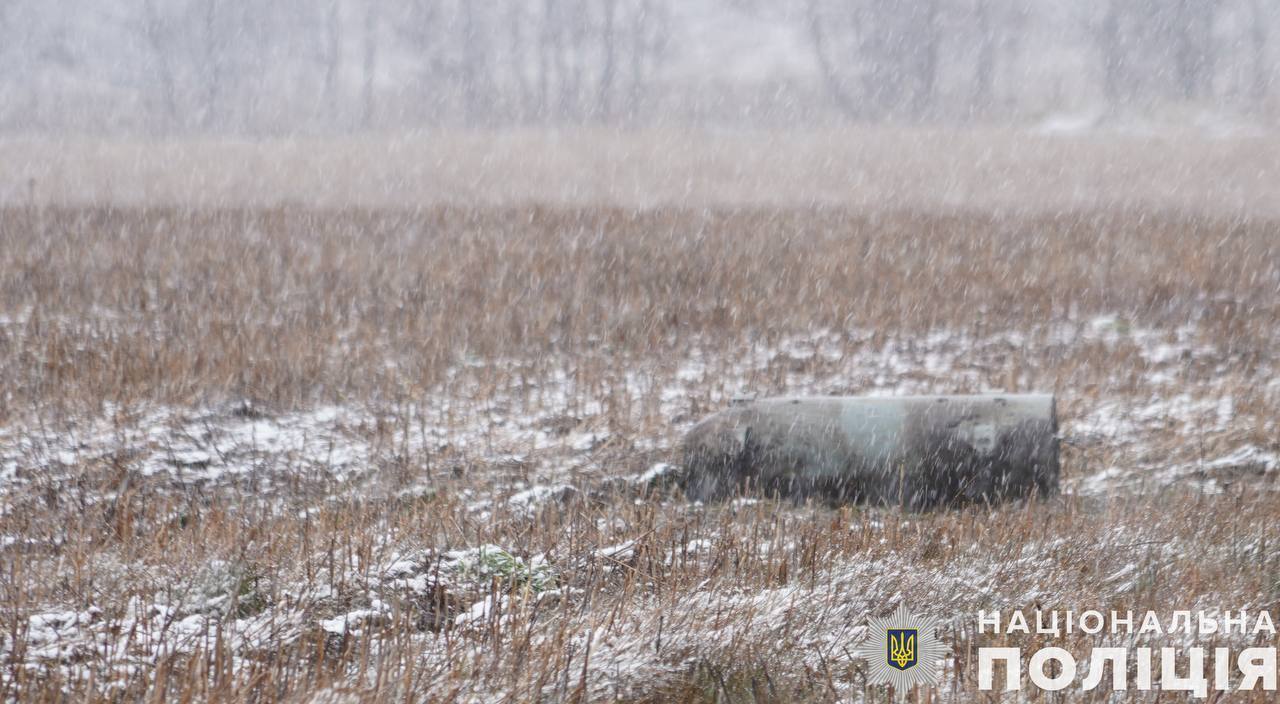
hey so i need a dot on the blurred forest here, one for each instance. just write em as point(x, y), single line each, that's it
point(165, 67)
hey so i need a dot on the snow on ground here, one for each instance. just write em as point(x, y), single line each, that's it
point(1168, 417)
point(551, 453)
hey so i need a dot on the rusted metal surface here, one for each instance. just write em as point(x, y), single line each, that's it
point(916, 451)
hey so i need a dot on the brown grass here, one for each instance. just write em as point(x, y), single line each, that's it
point(295, 306)
point(499, 309)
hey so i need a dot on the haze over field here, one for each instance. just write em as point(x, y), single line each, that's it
point(879, 168)
point(937, 103)
point(347, 347)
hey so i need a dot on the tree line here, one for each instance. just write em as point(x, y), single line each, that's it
point(247, 66)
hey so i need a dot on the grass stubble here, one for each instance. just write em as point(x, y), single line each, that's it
point(585, 319)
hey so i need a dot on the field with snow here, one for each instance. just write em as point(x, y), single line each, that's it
point(287, 453)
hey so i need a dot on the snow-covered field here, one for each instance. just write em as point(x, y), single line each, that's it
point(302, 457)
point(508, 526)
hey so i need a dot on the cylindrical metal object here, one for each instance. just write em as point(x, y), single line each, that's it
point(914, 451)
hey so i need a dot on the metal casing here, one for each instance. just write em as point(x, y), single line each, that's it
point(914, 451)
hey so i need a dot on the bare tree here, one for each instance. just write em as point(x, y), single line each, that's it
point(157, 33)
point(189, 44)
point(650, 25)
point(1000, 26)
point(589, 57)
point(211, 68)
point(604, 105)
point(1260, 68)
point(1155, 49)
point(370, 64)
point(524, 98)
point(238, 64)
point(331, 53)
point(831, 72)
point(1110, 42)
point(1188, 33)
point(891, 48)
point(984, 72)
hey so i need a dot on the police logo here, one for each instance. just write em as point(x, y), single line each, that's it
point(902, 650)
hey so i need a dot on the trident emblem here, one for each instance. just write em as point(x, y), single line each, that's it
point(902, 647)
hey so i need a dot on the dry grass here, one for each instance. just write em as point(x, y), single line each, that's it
point(296, 306)
point(455, 335)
